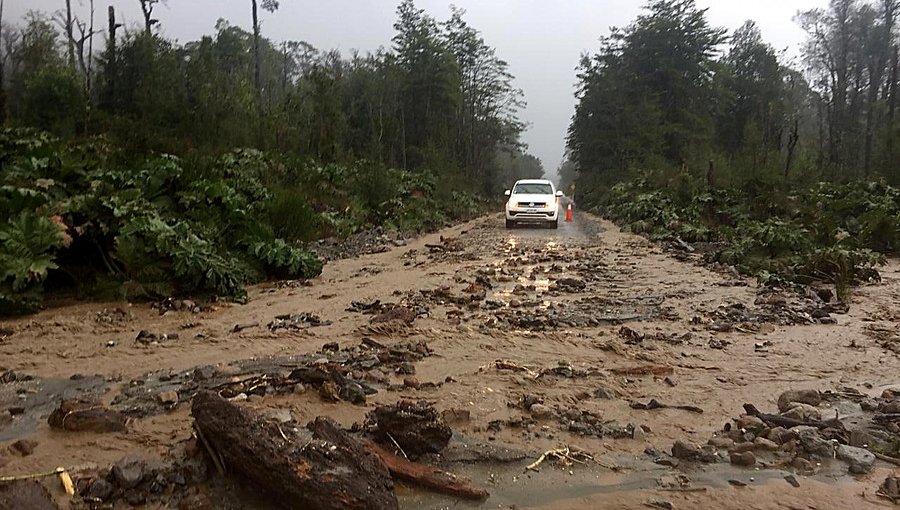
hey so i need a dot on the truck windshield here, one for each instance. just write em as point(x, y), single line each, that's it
point(533, 189)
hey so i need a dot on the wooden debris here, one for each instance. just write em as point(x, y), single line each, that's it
point(655, 404)
point(426, 476)
point(567, 456)
point(85, 416)
point(291, 472)
point(782, 421)
point(244, 325)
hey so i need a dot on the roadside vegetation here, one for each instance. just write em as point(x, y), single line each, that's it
point(152, 168)
point(785, 170)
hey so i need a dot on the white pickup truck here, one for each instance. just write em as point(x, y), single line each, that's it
point(533, 201)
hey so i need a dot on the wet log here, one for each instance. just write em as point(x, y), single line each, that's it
point(85, 416)
point(415, 427)
point(426, 476)
point(783, 421)
point(329, 471)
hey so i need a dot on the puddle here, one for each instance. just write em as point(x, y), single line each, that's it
point(37, 398)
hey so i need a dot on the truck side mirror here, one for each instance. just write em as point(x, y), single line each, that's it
point(559, 193)
point(507, 192)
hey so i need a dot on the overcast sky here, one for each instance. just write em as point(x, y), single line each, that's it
point(541, 39)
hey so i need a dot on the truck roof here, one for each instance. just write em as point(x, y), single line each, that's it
point(533, 181)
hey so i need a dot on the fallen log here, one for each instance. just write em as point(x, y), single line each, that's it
point(328, 471)
point(783, 421)
point(426, 476)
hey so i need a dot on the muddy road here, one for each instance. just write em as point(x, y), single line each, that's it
point(539, 340)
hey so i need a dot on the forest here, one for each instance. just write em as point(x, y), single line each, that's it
point(134, 166)
point(783, 168)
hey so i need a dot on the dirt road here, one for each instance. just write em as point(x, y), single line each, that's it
point(583, 322)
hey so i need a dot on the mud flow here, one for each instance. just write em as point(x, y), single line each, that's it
point(478, 367)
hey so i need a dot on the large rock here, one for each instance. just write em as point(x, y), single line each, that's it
point(861, 460)
point(802, 412)
point(813, 443)
point(686, 451)
point(810, 397)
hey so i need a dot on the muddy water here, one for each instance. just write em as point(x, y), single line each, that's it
point(717, 371)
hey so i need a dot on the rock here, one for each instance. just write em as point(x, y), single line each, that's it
point(747, 446)
point(781, 435)
point(128, 472)
point(280, 415)
point(411, 382)
point(101, 489)
point(686, 451)
point(861, 460)
point(661, 503)
point(791, 479)
point(751, 423)
point(406, 368)
point(540, 411)
point(802, 412)
point(23, 447)
point(765, 444)
point(168, 398)
point(353, 393)
point(743, 459)
point(724, 443)
point(813, 443)
point(809, 397)
point(861, 438)
point(803, 465)
point(638, 433)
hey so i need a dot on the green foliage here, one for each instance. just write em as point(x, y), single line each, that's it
point(28, 244)
point(157, 225)
point(832, 232)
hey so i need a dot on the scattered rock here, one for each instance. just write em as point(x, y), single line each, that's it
point(861, 460)
point(101, 489)
point(791, 479)
point(765, 444)
point(809, 397)
point(802, 412)
point(82, 415)
point(724, 443)
point(23, 447)
point(128, 472)
point(540, 411)
point(743, 459)
point(168, 398)
point(686, 451)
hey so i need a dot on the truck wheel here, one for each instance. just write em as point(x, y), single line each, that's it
point(553, 224)
point(510, 224)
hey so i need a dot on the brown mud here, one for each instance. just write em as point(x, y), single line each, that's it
point(539, 339)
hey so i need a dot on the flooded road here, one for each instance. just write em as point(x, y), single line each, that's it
point(583, 321)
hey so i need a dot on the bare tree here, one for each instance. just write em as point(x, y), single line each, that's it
point(270, 6)
point(147, 9)
point(67, 25)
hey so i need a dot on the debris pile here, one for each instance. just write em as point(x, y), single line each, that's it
point(802, 436)
point(415, 428)
point(348, 374)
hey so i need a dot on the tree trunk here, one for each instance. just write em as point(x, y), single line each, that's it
point(2, 76)
point(70, 35)
point(256, 64)
point(328, 471)
point(88, 79)
point(112, 57)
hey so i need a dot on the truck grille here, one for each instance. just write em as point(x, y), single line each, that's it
point(532, 204)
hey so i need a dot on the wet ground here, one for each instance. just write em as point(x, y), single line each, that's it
point(583, 320)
